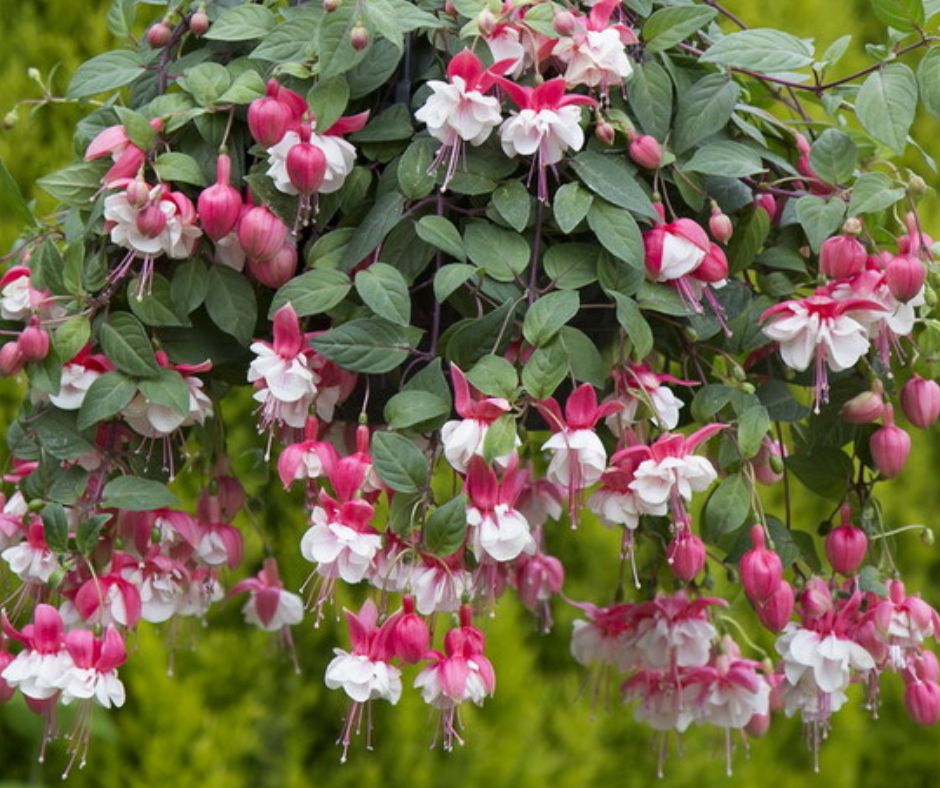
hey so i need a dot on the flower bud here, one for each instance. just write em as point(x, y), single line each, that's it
point(866, 407)
point(775, 611)
point(411, 638)
point(890, 446)
point(486, 22)
point(646, 151)
point(33, 342)
point(714, 266)
point(920, 401)
point(815, 599)
point(199, 22)
point(761, 568)
point(917, 185)
point(605, 132)
point(277, 270)
point(331, 5)
point(159, 35)
point(359, 37)
point(720, 226)
point(905, 276)
point(10, 119)
point(925, 665)
point(564, 23)
point(846, 545)
point(686, 555)
point(138, 193)
point(261, 233)
point(151, 221)
point(306, 165)
point(767, 203)
point(922, 699)
point(842, 256)
point(11, 359)
point(269, 118)
point(768, 462)
point(220, 205)
point(758, 725)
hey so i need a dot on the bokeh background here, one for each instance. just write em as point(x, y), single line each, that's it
point(233, 713)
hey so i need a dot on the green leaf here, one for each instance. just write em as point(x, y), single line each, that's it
point(873, 192)
point(385, 292)
point(617, 232)
point(11, 200)
point(545, 370)
point(189, 286)
point(398, 462)
point(749, 236)
point(613, 179)
point(134, 494)
point(328, 100)
point(570, 206)
point(71, 336)
point(76, 184)
point(752, 427)
point(155, 308)
point(548, 314)
point(500, 439)
point(55, 527)
point(870, 582)
point(313, 292)
point(169, 390)
point(725, 159)
point(384, 17)
point(651, 98)
point(834, 156)
point(392, 125)
point(760, 49)
point(449, 278)
point(241, 23)
point(638, 329)
point(108, 395)
point(440, 232)
point(230, 302)
point(826, 471)
point(501, 253)
point(571, 266)
point(88, 532)
point(705, 108)
point(668, 26)
point(495, 377)
point(105, 72)
point(206, 83)
point(408, 408)
point(446, 527)
point(819, 218)
point(292, 42)
point(336, 53)
point(928, 80)
point(513, 202)
point(58, 435)
point(584, 359)
point(903, 15)
point(886, 104)
point(727, 508)
point(383, 216)
point(120, 17)
point(780, 403)
point(709, 400)
point(126, 344)
point(371, 345)
point(414, 178)
point(137, 127)
point(179, 168)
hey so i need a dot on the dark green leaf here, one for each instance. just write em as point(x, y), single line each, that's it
point(546, 368)
point(903, 15)
point(631, 318)
point(169, 390)
point(440, 232)
point(834, 156)
point(704, 109)
point(668, 26)
point(752, 427)
point(873, 192)
point(495, 376)
point(501, 253)
point(313, 292)
point(729, 159)
point(727, 508)
point(886, 104)
point(819, 218)
point(570, 206)
point(134, 494)
point(513, 202)
point(617, 232)
point(449, 278)
point(760, 49)
point(179, 168)
point(385, 292)
point(156, 307)
point(107, 396)
point(230, 302)
point(408, 408)
point(11, 200)
point(398, 462)
point(241, 23)
point(189, 286)
point(55, 527)
point(328, 99)
point(371, 345)
point(105, 72)
point(383, 216)
point(446, 527)
point(548, 314)
point(613, 179)
point(126, 344)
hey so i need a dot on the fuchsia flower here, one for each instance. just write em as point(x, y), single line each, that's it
point(606, 636)
point(594, 52)
point(37, 671)
point(78, 374)
point(309, 459)
point(461, 673)
point(31, 560)
point(578, 456)
point(109, 599)
point(498, 531)
point(458, 111)
point(538, 578)
point(269, 606)
point(94, 670)
point(12, 525)
point(920, 400)
point(220, 205)
point(547, 124)
point(846, 545)
point(615, 502)
point(463, 439)
point(674, 631)
point(821, 328)
point(636, 384)
point(128, 158)
point(18, 298)
point(161, 582)
point(155, 420)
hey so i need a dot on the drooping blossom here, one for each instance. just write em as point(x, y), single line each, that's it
point(594, 53)
point(128, 158)
point(309, 459)
point(31, 560)
point(498, 531)
point(78, 373)
point(156, 419)
point(637, 384)
point(18, 297)
point(93, 673)
point(270, 606)
point(38, 669)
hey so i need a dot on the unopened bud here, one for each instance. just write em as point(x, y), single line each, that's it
point(11, 359)
point(605, 133)
point(720, 226)
point(33, 342)
point(486, 22)
point(917, 185)
point(10, 119)
point(331, 5)
point(359, 37)
point(646, 151)
point(33, 74)
point(199, 22)
point(159, 35)
point(564, 23)
point(852, 226)
point(927, 537)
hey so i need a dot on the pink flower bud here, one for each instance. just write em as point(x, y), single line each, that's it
point(775, 611)
point(714, 266)
point(920, 401)
point(866, 407)
point(220, 205)
point(758, 725)
point(925, 666)
point(138, 192)
point(842, 256)
point(890, 446)
point(905, 276)
point(359, 37)
point(277, 270)
point(846, 545)
point(158, 35)
point(199, 23)
point(815, 599)
point(564, 23)
point(331, 5)
point(269, 118)
point(411, 638)
point(34, 342)
point(720, 226)
point(915, 242)
point(486, 22)
point(922, 699)
point(605, 132)
point(645, 151)
point(261, 233)
point(151, 221)
point(11, 359)
point(306, 165)
point(768, 463)
point(686, 555)
point(767, 203)
point(761, 569)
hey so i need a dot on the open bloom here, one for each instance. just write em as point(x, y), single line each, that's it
point(269, 607)
point(607, 636)
point(309, 459)
point(128, 158)
point(675, 630)
point(93, 673)
point(17, 296)
point(37, 671)
point(32, 561)
point(499, 531)
point(637, 384)
point(155, 419)
point(78, 373)
point(594, 53)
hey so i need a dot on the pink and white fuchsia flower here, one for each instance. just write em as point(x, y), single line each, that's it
point(286, 386)
point(463, 439)
point(77, 376)
point(310, 459)
point(37, 671)
point(18, 298)
point(578, 456)
point(156, 420)
point(93, 674)
point(637, 384)
point(674, 631)
point(458, 111)
point(269, 607)
point(547, 125)
point(31, 560)
point(498, 532)
point(606, 637)
point(128, 158)
point(594, 53)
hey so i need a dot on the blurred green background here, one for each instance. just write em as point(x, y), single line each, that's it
point(235, 714)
